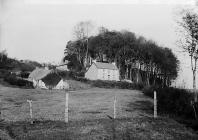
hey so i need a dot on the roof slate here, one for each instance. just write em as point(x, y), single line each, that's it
point(39, 73)
point(110, 66)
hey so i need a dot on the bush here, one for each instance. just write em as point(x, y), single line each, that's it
point(13, 80)
point(25, 74)
point(4, 73)
point(115, 84)
point(82, 79)
point(173, 101)
point(67, 75)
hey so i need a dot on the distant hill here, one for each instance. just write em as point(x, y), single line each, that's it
point(12, 71)
point(18, 65)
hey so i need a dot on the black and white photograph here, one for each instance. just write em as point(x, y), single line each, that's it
point(98, 69)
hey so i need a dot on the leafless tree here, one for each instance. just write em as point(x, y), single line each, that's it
point(82, 32)
point(189, 40)
point(3, 55)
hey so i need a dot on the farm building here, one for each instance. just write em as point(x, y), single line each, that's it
point(102, 71)
point(47, 79)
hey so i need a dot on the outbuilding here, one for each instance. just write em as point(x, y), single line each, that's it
point(47, 79)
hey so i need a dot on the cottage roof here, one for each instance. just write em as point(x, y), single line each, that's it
point(39, 73)
point(101, 65)
point(49, 77)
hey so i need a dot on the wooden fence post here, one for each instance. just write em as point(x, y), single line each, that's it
point(155, 104)
point(66, 107)
point(31, 115)
point(114, 107)
point(0, 110)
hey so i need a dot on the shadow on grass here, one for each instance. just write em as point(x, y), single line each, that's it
point(104, 129)
point(145, 106)
point(91, 112)
point(99, 129)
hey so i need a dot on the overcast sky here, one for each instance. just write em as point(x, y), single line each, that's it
point(39, 29)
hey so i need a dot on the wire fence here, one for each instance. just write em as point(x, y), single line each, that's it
point(60, 110)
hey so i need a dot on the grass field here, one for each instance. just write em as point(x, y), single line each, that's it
point(90, 111)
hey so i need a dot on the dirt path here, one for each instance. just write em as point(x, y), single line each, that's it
point(89, 116)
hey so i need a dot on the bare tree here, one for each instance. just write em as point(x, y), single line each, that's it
point(82, 32)
point(3, 55)
point(189, 41)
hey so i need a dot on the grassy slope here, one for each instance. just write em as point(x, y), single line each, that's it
point(88, 115)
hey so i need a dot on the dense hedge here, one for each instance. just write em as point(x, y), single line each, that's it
point(174, 101)
point(110, 84)
point(114, 84)
point(24, 74)
point(4, 73)
point(13, 80)
point(66, 74)
point(98, 83)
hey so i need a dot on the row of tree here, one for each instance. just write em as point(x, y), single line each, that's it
point(138, 59)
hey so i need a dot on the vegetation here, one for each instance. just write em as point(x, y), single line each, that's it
point(13, 71)
point(69, 75)
point(88, 116)
point(138, 59)
point(11, 64)
point(189, 39)
point(13, 80)
point(176, 103)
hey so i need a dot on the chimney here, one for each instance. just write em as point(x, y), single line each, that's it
point(94, 61)
point(114, 63)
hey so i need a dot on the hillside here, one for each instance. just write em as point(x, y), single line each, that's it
point(90, 113)
point(16, 65)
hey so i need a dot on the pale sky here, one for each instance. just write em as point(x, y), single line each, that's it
point(39, 29)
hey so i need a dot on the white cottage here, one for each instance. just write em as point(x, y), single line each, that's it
point(47, 79)
point(102, 71)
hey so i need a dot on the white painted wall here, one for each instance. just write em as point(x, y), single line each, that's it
point(106, 74)
point(41, 84)
point(92, 73)
point(62, 85)
point(38, 84)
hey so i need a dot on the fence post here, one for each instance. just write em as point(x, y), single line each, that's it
point(31, 115)
point(66, 107)
point(114, 107)
point(155, 104)
point(0, 110)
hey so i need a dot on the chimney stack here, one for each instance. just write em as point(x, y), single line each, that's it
point(114, 63)
point(94, 61)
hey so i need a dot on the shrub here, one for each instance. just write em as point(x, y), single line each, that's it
point(25, 74)
point(115, 84)
point(67, 74)
point(80, 74)
point(4, 73)
point(173, 101)
point(13, 80)
point(82, 79)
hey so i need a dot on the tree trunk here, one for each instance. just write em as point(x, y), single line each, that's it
point(131, 73)
point(137, 74)
point(194, 85)
point(86, 53)
point(148, 79)
point(126, 72)
point(154, 79)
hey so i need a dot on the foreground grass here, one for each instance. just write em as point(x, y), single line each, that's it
point(90, 111)
point(143, 128)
